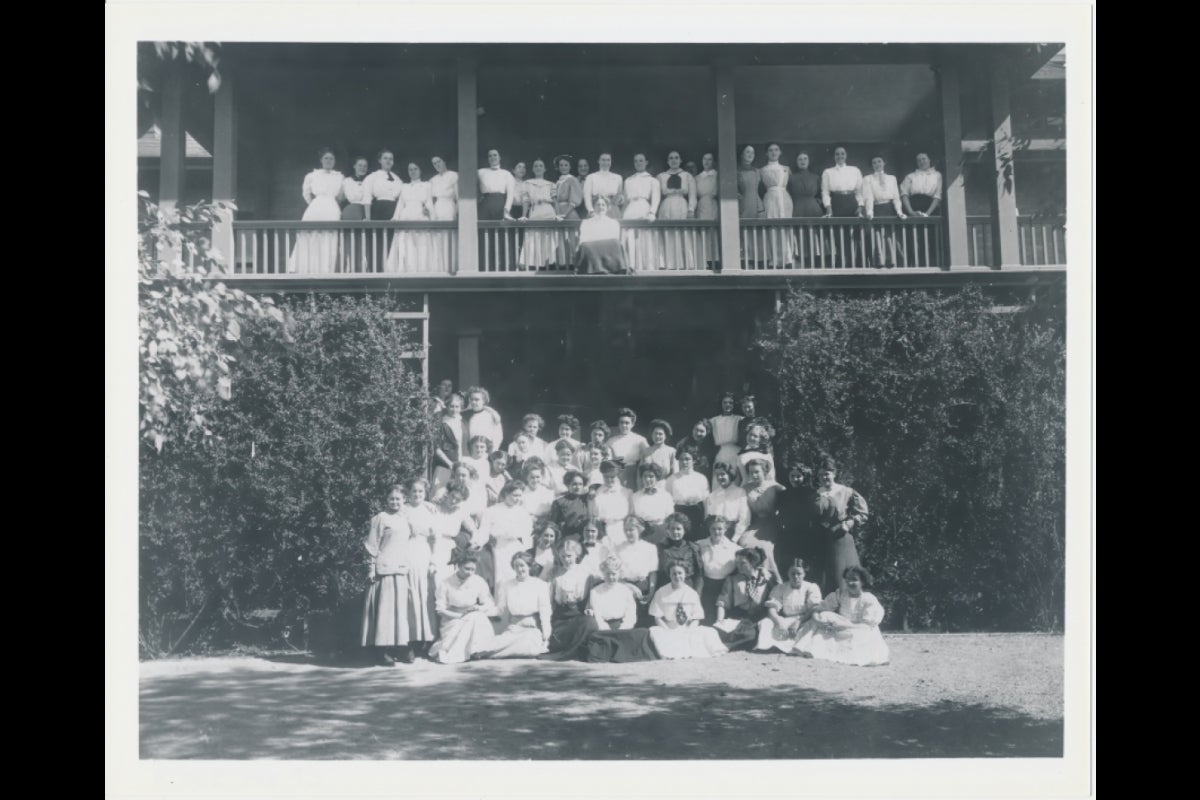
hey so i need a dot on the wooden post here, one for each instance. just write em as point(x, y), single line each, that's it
point(225, 166)
point(468, 357)
point(1004, 212)
point(727, 167)
point(171, 173)
point(954, 203)
point(468, 182)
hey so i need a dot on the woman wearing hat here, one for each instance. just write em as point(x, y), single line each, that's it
point(840, 513)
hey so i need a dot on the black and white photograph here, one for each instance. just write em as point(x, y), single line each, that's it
point(566, 402)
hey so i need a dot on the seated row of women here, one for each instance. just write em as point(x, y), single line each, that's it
point(593, 603)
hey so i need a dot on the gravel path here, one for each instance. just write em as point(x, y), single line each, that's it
point(942, 696)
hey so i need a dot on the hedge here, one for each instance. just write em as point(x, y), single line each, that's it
point(270, 512)
point(947, 413)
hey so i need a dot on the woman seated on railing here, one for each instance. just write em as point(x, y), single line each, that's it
point(317, 251)
point(600, 243)
point(881, 198)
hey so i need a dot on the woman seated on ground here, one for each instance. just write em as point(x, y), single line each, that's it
point(718, 554)
point(524, 627)
point(640, 559)
point(846, 627)
point(570, 624)
point(790, 605)
point(463, 607)
point(613, 604)
point(743, 600)
point(677, 632)
point(600, 248)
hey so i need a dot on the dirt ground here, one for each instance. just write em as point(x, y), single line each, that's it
point(942, 696)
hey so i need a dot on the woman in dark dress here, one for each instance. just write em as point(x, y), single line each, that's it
point(700, 444)
point(840, 512)
point(805, 188)
point(571, 512)
point(570, 624)
point(743, 598)
point(795, 511)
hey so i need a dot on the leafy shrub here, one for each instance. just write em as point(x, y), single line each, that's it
point(948, 415)
point(271, 510)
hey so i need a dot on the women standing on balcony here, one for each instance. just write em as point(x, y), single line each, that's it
point(497, 193)
point(750, 204)
point(921, 196)
point(804, 186)
point(317, 251)
point(679, 201)
point(411, 249)
point(642, 195)
point(921, 192)
point(606, 184)
point(568, 192)
point(582, 171)
point(352, 190)
point(444, 188)
point(777, 204)
point(841, 194)
point(881, 198)
point(707, 205)
point(381, 189)
point(540, 247)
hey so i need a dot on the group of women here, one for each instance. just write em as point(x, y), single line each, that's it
point(616, 547)
point(603, 199)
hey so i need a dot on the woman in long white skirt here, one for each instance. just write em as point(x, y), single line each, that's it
point(790, 605)
point(846, 628)
point(463, 607)
point(413, 251)
point(317, 251)
point(677, 632)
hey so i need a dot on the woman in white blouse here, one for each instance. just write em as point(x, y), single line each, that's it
point(381, 188)
point(523, 603)
point(352, 191)
point(443, 187)
point(539, 248)
point(463, 607)
point(881, 198)
point(777, 204)
point(921, 196)
point(604, 183)
point(643, 246)
point(677, 613)
point(728, 500)
point(317, 251)
point(842, 196)
point(411, 249)
point(845, 628)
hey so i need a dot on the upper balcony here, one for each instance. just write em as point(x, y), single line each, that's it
point(989, 117)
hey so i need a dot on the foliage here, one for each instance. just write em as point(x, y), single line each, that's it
point(949, 418)
point(187, 324)
point(270, 511)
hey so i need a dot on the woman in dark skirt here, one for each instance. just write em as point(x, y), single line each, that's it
point(881, 199)
point(840, 511)
point(841, 194)
point(805, 188)
point(613, 605)
point(921, 195)
point(797, 529)
point(600, 250)
point(688, 489)
point(570, 625)
point(352, 189)
point(743, 600)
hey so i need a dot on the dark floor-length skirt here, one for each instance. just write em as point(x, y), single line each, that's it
point(922, 254)
point(745, 635)
point(599, 258)
point(620, 647)
point(847, 249)
point(570, 630)
point(842, 553)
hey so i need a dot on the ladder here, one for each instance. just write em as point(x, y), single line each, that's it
point(423, 353)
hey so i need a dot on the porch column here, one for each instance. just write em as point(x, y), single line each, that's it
point(468, 355)
point(727, 188)
point(1004, 210)
point(954, 203)
point(171, 173)
point(468, 189)
point(225, 166)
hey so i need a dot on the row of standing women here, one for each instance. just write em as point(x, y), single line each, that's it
point(555, 559)
point(773, 191)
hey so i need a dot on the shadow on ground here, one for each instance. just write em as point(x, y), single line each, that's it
point(539, 710)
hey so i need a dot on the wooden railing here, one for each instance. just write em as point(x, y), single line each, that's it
point(841, 243)
point(1042, 241)
point(980, 247)
point(313, 248)
point(550, 245)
